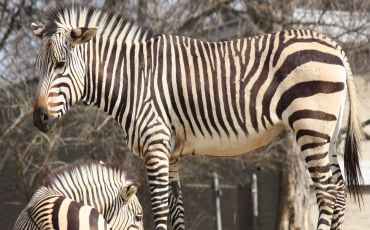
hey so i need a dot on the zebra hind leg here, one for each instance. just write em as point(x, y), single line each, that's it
point(315, 148)
point(175, 197)
point(340, 201)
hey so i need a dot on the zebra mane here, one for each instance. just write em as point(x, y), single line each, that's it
point(89, 169)
point(108, 23)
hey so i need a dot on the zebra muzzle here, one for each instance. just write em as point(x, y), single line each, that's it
point(42, 120)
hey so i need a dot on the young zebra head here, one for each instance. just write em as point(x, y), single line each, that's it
point(62, 72)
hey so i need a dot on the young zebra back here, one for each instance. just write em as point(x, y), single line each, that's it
point(85, 195)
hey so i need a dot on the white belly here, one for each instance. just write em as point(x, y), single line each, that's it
point(224, 145)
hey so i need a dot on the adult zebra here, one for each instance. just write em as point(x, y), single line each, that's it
point(176, 96)
point(84, 195)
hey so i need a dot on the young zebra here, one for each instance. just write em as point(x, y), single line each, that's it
point(176, 96)
point(87, 195)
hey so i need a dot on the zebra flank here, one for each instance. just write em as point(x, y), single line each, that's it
point(85, 195)
point(175, 96)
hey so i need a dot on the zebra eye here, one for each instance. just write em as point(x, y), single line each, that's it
point(139, 217)
point(60, 64)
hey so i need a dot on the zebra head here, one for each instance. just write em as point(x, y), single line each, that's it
point(132, 209)
point(62, 72)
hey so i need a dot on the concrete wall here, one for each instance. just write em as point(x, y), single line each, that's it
point(236, 203)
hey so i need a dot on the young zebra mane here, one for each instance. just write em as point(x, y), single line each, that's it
point(108, 23)
point(89, 168)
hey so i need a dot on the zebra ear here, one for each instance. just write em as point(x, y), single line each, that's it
point(38, 30)
point(81, 35)
point(129, 192)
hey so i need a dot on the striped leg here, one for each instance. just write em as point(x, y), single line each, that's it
point(340, 201)
point(315, 148)
point(175, 199)
point(157, 168)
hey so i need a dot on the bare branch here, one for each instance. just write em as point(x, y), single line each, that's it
point(13, 19)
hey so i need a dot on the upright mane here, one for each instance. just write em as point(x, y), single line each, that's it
point(110, 25)
point(90, 169)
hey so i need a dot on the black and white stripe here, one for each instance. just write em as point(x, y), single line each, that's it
point(84, 196)
point(49, 210)
point(176, 96)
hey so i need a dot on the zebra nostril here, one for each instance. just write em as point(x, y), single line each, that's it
point(41, 119)
point(44, 117)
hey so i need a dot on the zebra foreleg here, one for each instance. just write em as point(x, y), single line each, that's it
point(175, 198)
point(157, 168)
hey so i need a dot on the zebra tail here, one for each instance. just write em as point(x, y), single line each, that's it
point(354, 135)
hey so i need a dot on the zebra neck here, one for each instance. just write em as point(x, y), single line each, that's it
point(114, 76)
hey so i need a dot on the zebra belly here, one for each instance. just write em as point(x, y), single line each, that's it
point(223, 145)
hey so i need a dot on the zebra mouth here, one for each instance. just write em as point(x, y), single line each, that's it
point(43, 121)
point(47, 127)
point(51, 124)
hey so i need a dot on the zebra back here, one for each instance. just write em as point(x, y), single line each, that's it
point(49, 210)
